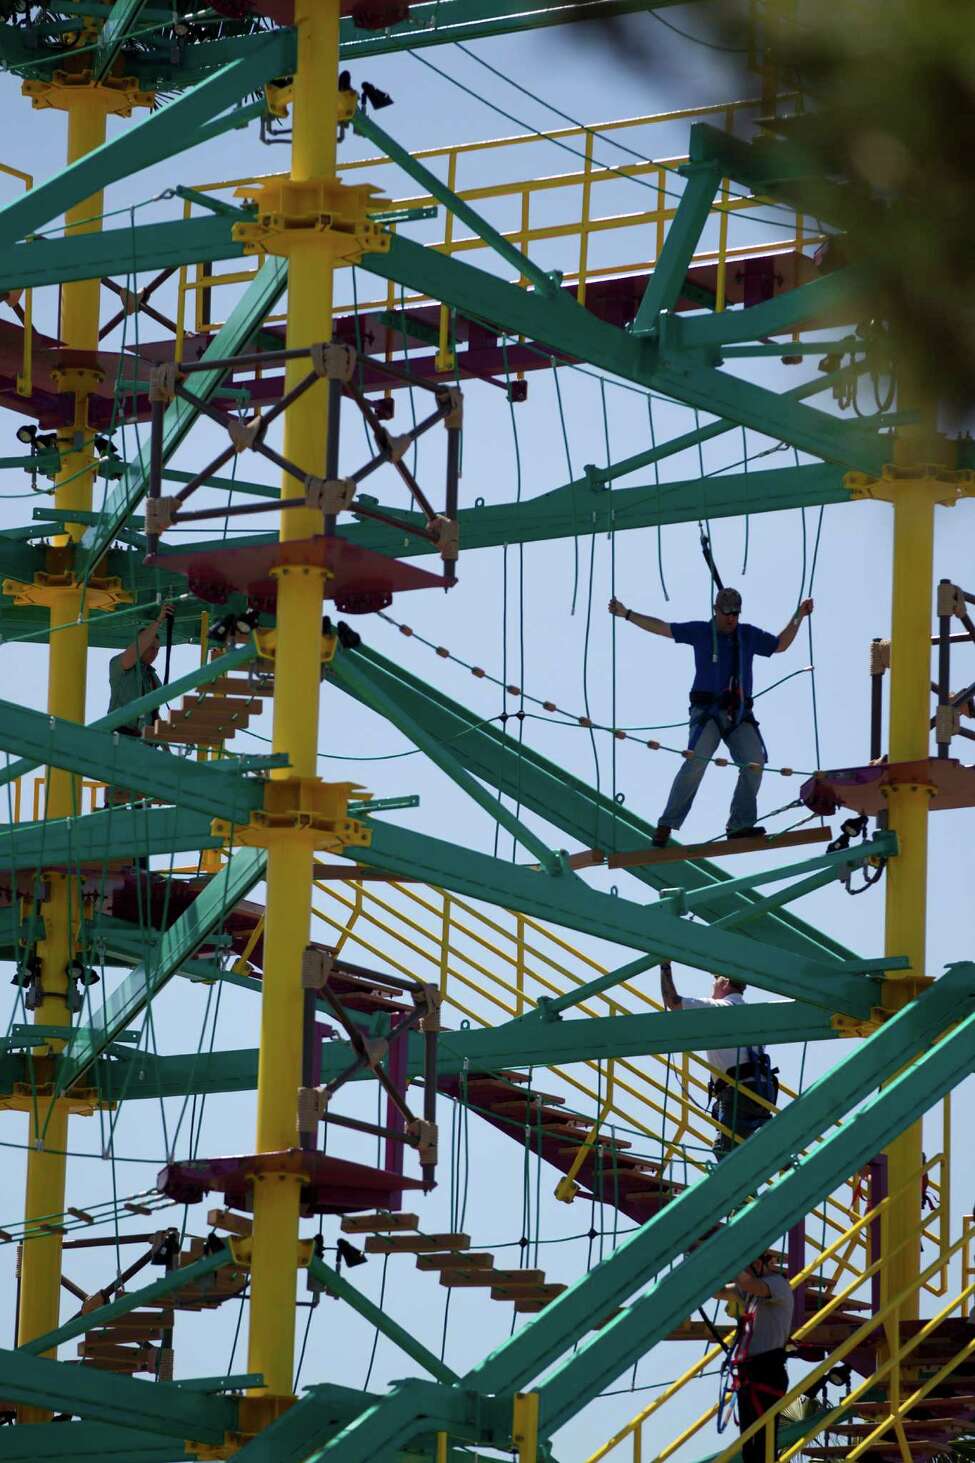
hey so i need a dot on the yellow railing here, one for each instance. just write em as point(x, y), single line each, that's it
point(518, 200)
point(498, 964)
point(633, 1431)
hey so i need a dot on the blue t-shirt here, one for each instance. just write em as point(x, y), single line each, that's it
point(713, 675)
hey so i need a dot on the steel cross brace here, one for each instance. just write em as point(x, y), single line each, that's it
point(567, 803)
point(111, 833)
point(255, 303)
point(568, 901)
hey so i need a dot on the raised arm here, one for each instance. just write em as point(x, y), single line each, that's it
point(642, 622)
point(792, 628)
point(144, 639)
point(668, 991)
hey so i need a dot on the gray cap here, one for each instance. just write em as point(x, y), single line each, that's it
point(728, 601)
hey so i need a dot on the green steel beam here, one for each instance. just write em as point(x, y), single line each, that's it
point(587, 506)
point(353, 676)
point(571, 903)
point(160, 136)
point(323, 1411)
point(130, 1301)
point(202, 676)
point(339, 1287)
point(413, 1409)
point(569, 804)
point(670, 271)
point(166, 1408)
point(811, 1119)
point(128, 1076)
point(574, 331)
point(111, 833)
point(145, 247)
point(832, 297)
point(126, 762)
point(88, 1442)
point(258, 299)
point(120, 22)
point(780, 170)
point(793, 1192)
point(881, 845)
point(441, 21)
point(546, 1043)
point(234, 882)
point(365, 126)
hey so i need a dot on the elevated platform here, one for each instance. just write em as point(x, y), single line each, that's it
point(359, 580)
point(330, 1185)
point(678, 852)
point(864, 788)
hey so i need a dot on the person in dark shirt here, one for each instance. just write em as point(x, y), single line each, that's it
point(721, 704)
point(766, 1303)
point(131, 673)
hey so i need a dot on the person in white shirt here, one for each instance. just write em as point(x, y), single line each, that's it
point(731, 1107)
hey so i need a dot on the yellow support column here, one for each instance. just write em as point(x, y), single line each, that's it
point(296, 693)
point(67, 677)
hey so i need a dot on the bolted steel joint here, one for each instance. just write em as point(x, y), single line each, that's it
point(161, 513)
point(395, 447)
point(424, 1135)
point(162, 382)
point(312, 1106)
point(329, 495)
point(450, 400)
point(430, 1000)
point(333, 361)
point(376, 1048)
point(243, 435)
point(879, 657)
point(951, 601)
point(448, 536)
point(947, 723)
point(316, 968)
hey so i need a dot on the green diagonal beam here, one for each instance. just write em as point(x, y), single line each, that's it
point(339, 1287)
point(365, 126)
point(211, 671)
point(211, 906)
point(569, 902)
point(810, 1119)
point(843, 1149)
point(88, 1442)
point(174, 1281)
point(841, 293)
point(576, 332)
point(353, 676)
point(569, 804)
point(166, 1408)
point(255, 303)
point(111, 833)
point(161, 135)
point(147, 247)
point(119, 24)
point(126, 762)
point(670, 271)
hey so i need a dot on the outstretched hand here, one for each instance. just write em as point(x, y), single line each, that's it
point(616, 607)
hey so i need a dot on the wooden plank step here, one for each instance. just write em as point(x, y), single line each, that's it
point(525, 1307)
point(527, 1292)
point(378, 1223)
point(239, 1224)
point(601, 1145)
point(464, 1259)
point(719, 848)
point(223, 706)
point(186, 738)
point(491, 1277)
point(132, 1327)
point(240, 686)
point(415, 1244)
point(529, 1112)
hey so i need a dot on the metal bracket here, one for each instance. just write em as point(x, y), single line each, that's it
point(334, 361)
point(330, 495)
point(161, 513)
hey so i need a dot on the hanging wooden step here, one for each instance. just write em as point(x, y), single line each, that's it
point(378, 1223)
point(456, 1259)
point(415, 1244)
point(489, 1277)
point(718, 848)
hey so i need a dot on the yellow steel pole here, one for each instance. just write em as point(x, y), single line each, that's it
point(67, 677)
point(296, 692)
point(908, 803)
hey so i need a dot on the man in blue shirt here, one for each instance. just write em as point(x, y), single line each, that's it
point(721, 704)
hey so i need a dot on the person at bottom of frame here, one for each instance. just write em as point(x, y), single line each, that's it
point(765, 1303)
point(131, 675)
point(738, 1114)
point(721, 704)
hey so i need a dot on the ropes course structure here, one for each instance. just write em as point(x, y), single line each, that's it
point(267, 1027)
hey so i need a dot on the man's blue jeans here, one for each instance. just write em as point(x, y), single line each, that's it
point(707, 731)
